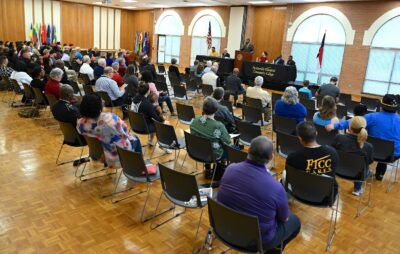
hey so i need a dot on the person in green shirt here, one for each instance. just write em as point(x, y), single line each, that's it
point(207, 127)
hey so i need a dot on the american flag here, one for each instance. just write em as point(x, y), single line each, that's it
point(321, 54)
point(209, 37)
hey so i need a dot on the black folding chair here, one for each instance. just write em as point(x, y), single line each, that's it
point(324, 137)
point(161, 78)
point(351, 105)
point(287, 144)
point(309, 104)
point(17, 91)
point(167, 139)
point(51, 99)
point(341, 111)
point(88, 89)
point(85, 79)
point(192, 86)
point(255, 103)
point(182, 190)
point(108, 103)
point(317, 191)
point(310, 114)
point(161, 68)
point(207, 90)
point(248, 132)
point(372, 104)
point(138, 123)
point(234, 155)
point(284, 124)
point(180, 92)
point(253, 115)
point(76, 88)
point(173, 79)
point(352, 167)
point(303, 96)
point(384, 153)
point(274, 98)
point(185, 114)
point(345, 98)
point(162, 86)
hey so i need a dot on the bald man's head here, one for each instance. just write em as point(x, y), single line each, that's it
point(236, 71)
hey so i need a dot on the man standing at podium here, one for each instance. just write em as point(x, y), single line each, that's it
point(247, 46)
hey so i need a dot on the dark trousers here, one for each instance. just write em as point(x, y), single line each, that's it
point(122, 101)
point(285, 232)
point(381, 167)
point(166, 98)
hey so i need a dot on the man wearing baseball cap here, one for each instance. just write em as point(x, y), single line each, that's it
point(384, 125)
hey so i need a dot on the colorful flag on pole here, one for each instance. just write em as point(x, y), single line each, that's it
point(31, 33)
point(35, 34)
point(140, 40)
point(145, 47)
point(136, 42)
point(54, 35)
point(43, 34)
point(209, 36)
point(320, 54)
point(48, 35)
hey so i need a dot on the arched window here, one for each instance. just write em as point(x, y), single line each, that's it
point(199, 36)
point(307, 41)
point(169, 28)
point(383, 71)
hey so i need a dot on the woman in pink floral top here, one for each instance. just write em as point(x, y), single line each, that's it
point(107, 128)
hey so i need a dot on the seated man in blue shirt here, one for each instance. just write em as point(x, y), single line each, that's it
point(383, 125)
point(305, 89)
point(248, 187)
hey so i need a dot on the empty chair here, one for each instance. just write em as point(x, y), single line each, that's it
point(207, 90)
point(192, 85)
point(185, 114)
point(324, 137)
point(234, 155)
point(180, 92)
point(303, 96)
point(352, 167)
point(162, 86)
point(253, 115)
point(173, 79)
point(284, 124)
point(341, 111)
point(345, 98)
point(309, 104)
point(161, 68)
point(372, 104)
point(317, 191)
point(247, 132)
point(138, 123)
point(287, 144)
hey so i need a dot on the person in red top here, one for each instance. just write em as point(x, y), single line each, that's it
point(116, 76)
point(264, 57)
point(122, 67)
point(53, 85)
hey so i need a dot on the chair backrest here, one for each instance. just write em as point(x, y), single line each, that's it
point(179, 92)
point(303, 96)
point(319, 101)
point(247, 131)
point(310, 114)
point(234, 155)
point(96, 150)
point(71, 135)
point(309, 104)
point(351, 105)
point(237, 230)
point(138, 122)
point(178, 185)
point(284, 124)
point(207, 90)
point(185, 112)
point(192, 85)
point(199, 149)
point(173, 79)
point(344, 98)
point(16, 87)
point(51, 99)
point(255, 103)
point(275, 97)
point(372, 104)
point(324, 137)
point(252, 115)
point(227, 104)
point(287, 144)
point(311, 189)
point(161, 78)
point(383, 149)
point(85, 79)
point(28, 92)
point(341, 111)
point(162, 86)
point(39, 97)
point(161, 68)
point(132, 163)
point(350, 166)
point(88, 89)
point(106, 98)
point(166, 134)
point(75, 86)
point(314, 89)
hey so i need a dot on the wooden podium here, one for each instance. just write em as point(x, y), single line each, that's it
point(241, 56)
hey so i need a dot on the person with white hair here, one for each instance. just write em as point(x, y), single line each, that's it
point(211, 78)
point(289, 105)
point(53, 84)
point(99, 69)
point(225, 54)
point(257, 92)
point(208, 66)
point(86, 68)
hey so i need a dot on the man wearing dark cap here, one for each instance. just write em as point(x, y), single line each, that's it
point(330, 89)
point(384, 125)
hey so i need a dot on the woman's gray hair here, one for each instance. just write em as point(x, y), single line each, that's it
point(258, 81)
point(85, 58)
point(66, 92)
point(56, 72)
point(290, 96)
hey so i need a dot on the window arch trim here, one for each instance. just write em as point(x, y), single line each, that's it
point(374, 28)
point(208, 12)
point(166, 14)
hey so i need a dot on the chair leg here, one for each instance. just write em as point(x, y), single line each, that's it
point(154, 226)
point(208, 241)
point(332, 227)
point(184, 159)
point(360, 210)
point(81, 177)
point(197, 232)
point(393, 180)
point(59, 152)
point(128, 196)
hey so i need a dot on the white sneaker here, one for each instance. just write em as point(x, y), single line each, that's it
point(358, 193)
point(151, 143)
point(166, 150)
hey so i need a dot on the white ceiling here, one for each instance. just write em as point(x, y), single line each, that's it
point(152, 4)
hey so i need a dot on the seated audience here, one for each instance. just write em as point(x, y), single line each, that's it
point(142, 104)
point(383, 125)
point(99, 69)
point(223, 114)
point(108, 128)
point(225, 54)
point(193, 68)
point(38, 81)
point(86, 68)
point(305, 89)
point(153, 98)
point(355, 141)
point(25, 63)
point(241, 190)
point(257, 92)
point(200, 70)
point(208, 66)
point(53, 84)
point(326, 113)
point(60, 64)
point(264, 57)
point(330, 89)
point(214, 53)
point(131, 80)
point(233, 85)
point(207, 127)
point(5, 70)
point(162, 95)
point(65, 56)
point(211, 77)
point(313, 158)
point(116, 77)
point(174, 69)
point(122, 67)
point(64, 110)
point(109, 59)
point(150, 67)
point(289, 106)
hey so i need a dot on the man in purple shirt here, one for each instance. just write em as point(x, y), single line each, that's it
point(248, 187)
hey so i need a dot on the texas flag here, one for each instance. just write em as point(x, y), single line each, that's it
point(321, 54)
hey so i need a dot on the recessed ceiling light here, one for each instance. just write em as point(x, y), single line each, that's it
point(260, 2)
point(97, 3)
point(130, 7)
point(128, 1)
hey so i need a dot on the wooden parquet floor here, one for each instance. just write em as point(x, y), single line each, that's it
point(45, 209)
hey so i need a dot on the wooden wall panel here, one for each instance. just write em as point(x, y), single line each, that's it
point(77, 24)
point(135, 21)
point(12, 20)
point(268, 30)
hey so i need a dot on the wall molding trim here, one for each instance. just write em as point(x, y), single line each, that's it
point(373, 29)
point(206, 13)
point(170, 13)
